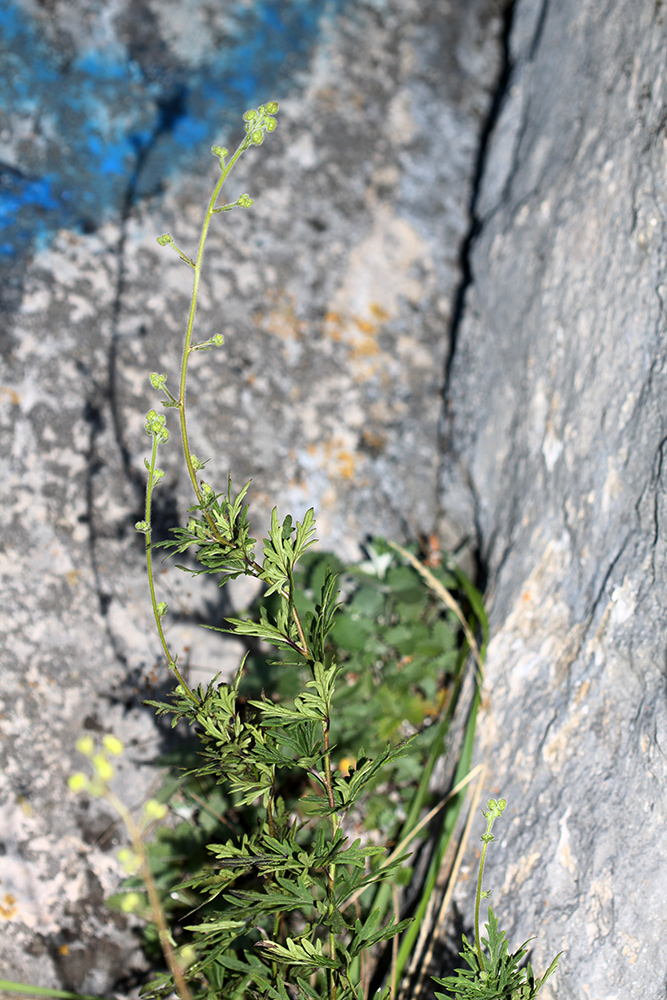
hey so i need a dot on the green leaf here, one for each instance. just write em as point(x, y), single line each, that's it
point(301, 952)
point(42, 991)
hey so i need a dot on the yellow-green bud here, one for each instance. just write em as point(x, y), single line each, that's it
point(113, 745)
point(103, 767)
point(131, 902)
point(86, 746)
point(155, 810)
point(78, 782)
point(129, 859)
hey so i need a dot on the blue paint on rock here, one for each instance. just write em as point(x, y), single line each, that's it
point(89, 134)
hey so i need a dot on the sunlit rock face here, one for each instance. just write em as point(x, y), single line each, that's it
point(556, 426)
point(335, 294)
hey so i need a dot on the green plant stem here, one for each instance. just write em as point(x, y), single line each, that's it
point(188, 348)
point(153, 895)
point(495, 809)
point(462, 770)
point(187, 343)
point(478, 900)
point(42, 991)
point(151, 582)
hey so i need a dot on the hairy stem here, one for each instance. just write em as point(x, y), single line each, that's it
point(495, 808)
point(187, 343)
point(153, 896)
point(171, 662)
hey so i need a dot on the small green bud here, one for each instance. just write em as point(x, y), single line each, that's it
point(103, 767)
point(143, 527)
point(165, 240)
point(495, 809)
point(196, 464)
point(486, 838)
point(86, 746)
point(162, 609)
point(250, 115)
point(131, 902)
point(187, 955)
point(219, 151)
point(155, 425)
point(78, 782)
point(218, 340)
point(244, 200)
point(129, 859)
point(157, 380)
point(206, 489)
point(257, 136)
point(270, 124)
point(155, 810)
point(272, 107)
point(113, 745)
point(158, 474)
point(261, 110)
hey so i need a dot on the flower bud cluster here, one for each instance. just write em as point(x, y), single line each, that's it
point(102, 766)
point(155, 426)
point(259, 121)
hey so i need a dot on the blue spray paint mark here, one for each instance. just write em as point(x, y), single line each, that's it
point(88, 131)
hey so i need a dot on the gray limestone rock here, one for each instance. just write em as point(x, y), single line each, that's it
point(556, 426)
point(334, 294)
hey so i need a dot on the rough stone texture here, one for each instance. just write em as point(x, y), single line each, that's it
point(334, 293)
point(557, 427)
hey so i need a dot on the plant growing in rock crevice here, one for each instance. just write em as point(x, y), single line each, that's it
point(288, 906)
point(293, 918)
point(493, 973)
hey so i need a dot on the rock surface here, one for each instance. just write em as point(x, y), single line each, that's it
point(556, 429)
point(334, 293)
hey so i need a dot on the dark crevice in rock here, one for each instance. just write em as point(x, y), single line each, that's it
point(480, 165)
point(465, 266)
point(601, 590)
point(538, 30)
point(653, 486)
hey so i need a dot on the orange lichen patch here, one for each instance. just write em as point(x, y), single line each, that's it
point(14, 397)
point(333, 326)
point(373, 441)
point(582, 692)
point(347, 327)
point(8, 906)
point(63, 949)
point(378, 311)
point(281, 320)
point(345, 464)
point(335, 456)
point(368, 347)
point(338, 460)
point(365, 326)
point(72, 577)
